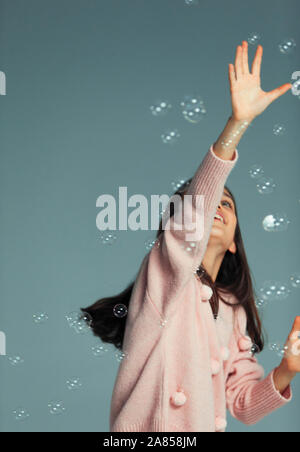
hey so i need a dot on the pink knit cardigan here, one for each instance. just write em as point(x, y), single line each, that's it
point(182, 368)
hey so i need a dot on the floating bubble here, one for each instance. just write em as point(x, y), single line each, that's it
point(120, 310)
point(278, 348)
point(265, 185)
point(178, 183)
point(150, 243)
point(278, 130)
point(79, 321)
point(99, 350)
point(15, 360)
point(191, 2)
point(160, 108)
point(56, 407)
point(260, 303)
point(295, 280)
point(120, 356)
point(254, 349)
point(189, 247)
point(287, 46)
point(40, 318)
point(254, 38)
point(193, 108)
point(74, 383)
point(20, 414)
point(107, 238)
point(295, 87)
point(170, 136)
point(256, 171)
point(274, 290)
point(277, 222)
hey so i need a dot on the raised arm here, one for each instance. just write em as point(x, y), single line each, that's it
point(173, 262)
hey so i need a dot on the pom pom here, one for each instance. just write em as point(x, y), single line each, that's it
point(179, 398)
point(221, 424)
point(245, 343)
point(206, 292)
point(215, 367)
point(225, 353)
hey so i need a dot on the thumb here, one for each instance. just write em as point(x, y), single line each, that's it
point(277, 92)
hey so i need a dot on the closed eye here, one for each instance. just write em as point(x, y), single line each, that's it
point(228, 203)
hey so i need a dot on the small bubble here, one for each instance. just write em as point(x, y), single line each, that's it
point(40, 318)
point(253, 38)
point(265, 185)
point(256, 171)
point(120, 356)
point(274, 291)
point(79, 321)
point(278, 130)
point(254, 349)
point(287, 46)
point(295, 280)
point(107, 238)
point(99, 350)
point(193, 108)
point(120, 310)
point(191, 2)
point(20, 414)
point(56, 407)
point(74, 383)
point(170, 136)
point(15, 360)
point(160, 108)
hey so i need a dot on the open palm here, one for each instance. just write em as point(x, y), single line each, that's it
point(247, 97)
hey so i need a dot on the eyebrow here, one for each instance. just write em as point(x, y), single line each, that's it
point(228, 196)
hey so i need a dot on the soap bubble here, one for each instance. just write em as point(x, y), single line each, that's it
point(278, 130)
point(99, 350)
point(170, 136)
point(253, 38)
point(107, 238)
point(256, 171)
point(192, 2)
point(189, 247)
point(260, 303)
point(120, 310)
point(40, 318)
point(274, 290)
point(150, 243)
point(178, 183)
point(287, 46)
point(20, 414)
point(193, 108)
point(278, 348)
point(254, 349)
point(160, 108)
point(295, 87)
point(74, 383)
point(120, 356)
point(295, 280)
point(15, 360)
point(56, 407)
point(265, 185)
point(79, 321)
point(277, 222)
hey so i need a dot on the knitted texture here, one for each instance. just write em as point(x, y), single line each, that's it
point(182, 369)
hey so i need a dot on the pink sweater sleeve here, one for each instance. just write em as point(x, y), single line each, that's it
point(250, 396)
point(172, 262)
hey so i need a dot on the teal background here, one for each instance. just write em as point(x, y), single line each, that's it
point(75, 124)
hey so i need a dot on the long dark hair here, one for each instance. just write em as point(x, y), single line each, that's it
point(234, 276)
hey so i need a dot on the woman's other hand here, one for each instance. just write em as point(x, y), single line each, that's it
point(247, 98)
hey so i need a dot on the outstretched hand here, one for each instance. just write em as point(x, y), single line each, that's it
point(247, 97)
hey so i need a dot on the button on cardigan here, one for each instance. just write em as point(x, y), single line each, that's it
point(182, 368)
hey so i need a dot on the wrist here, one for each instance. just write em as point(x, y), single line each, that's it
point(239, 120)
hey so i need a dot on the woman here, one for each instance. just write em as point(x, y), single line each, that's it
point(187, 355)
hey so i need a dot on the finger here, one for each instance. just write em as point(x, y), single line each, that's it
point(277, 92)
point(238, 62)
point(294, 335)
point(245, 58)
point(256, 66)
point(231, 74)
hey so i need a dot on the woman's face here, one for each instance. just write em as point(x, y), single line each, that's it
point(224, 232)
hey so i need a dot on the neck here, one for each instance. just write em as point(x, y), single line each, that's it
point(212, 261)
